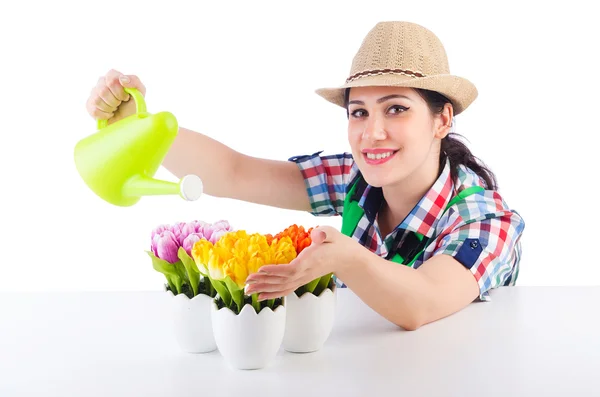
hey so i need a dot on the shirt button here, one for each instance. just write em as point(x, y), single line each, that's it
point(473, 244)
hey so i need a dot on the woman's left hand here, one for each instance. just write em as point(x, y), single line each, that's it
point(329, 249)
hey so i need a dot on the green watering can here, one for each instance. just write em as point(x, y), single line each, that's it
point(118, 162)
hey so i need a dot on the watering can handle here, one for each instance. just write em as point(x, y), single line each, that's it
point(140, 104)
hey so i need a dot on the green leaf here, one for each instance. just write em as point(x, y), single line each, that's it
point(221, 289)
point(255, 302)
point(171, 273)
point(193, 274)
point(237, 294)
point(323, 284)
point(182, 273)
point(310, 287)
point(211, 288)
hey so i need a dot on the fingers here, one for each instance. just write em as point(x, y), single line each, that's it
point(288, 270)
point(324, 234)
point(103, 97)
point(112, 80)
point(275, 295)
point(109, 93)
point(263, 287)
point(132, 81)
point(99, 111)
point(272, 284)
point(257, 278)
point(267, 283)
point(318, 236)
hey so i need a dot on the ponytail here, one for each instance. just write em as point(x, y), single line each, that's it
point(455, 150)
point(458, 153)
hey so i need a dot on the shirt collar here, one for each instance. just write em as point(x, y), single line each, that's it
point(424, 216)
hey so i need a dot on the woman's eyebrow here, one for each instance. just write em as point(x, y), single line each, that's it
point(380, 100)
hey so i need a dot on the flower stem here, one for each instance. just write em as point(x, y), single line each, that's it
point(211, 289)
point(255, 302)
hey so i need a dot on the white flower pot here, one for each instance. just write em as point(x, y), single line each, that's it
point(309, 320)
point(248, 340)
point(192, 323)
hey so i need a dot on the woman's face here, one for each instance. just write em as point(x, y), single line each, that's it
point(392, 133)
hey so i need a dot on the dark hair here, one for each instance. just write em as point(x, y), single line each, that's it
point(452, 148)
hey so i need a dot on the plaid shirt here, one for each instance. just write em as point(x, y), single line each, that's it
point(481, 232)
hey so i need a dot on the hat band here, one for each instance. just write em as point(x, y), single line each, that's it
point(384, 71)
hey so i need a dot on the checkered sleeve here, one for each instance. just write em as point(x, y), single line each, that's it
point(486, 244)
point(326, 179)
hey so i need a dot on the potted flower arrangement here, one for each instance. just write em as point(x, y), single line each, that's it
point(190, 289)
point(310, 310)
point(248, 333)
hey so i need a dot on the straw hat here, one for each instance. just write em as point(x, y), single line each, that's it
point(404, 54)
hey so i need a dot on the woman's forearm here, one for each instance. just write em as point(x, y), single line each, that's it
point(396, 292)
point(410, 297)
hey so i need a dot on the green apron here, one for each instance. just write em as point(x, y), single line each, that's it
point(353, 213)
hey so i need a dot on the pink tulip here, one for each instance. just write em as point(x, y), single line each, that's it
point(189, 242)
point(158, 230)
point(222, 225)
point(166, 239)
point(198, 225)
point(217, 234)
point(165, 246)
point(176, 229)
point(191, 228)
point(186, 230)
point(217, 229)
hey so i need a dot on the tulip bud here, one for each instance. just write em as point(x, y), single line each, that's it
point(216, 235)
point(165, 246)
point(189, 241)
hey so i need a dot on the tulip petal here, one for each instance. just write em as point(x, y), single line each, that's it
point(189, 241)
point(167, 247)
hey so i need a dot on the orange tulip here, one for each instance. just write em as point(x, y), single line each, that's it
point(299, 236)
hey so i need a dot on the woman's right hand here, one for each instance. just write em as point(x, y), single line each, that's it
point(108, 99)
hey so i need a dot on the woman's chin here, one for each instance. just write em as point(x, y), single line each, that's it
point(377, 180)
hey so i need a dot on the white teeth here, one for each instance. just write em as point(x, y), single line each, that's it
point(379, 156)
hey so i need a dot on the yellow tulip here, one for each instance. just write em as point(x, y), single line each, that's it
point(238, 254)
point(255, 263)
point(201, 253)
point(241, 250)
point(237, 271)
point(215, 268)
point(259, 243)
point(283, 251)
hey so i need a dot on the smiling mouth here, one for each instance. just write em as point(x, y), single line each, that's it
point(379, 158)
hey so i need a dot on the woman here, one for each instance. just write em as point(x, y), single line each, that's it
point(424, 230)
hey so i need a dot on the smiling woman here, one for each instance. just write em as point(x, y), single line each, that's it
point(424, 229)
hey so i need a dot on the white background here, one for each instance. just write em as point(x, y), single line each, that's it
point(245, 73)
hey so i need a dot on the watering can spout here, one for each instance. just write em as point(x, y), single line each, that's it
point(189, 187)
point(119, 161)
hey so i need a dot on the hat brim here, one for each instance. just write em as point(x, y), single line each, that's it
point(460, 91)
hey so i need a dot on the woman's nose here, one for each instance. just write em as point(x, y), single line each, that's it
point(374, 129)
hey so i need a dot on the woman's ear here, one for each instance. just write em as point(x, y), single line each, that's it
point(443, 122)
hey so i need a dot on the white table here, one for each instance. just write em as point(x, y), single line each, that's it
point(530, 341)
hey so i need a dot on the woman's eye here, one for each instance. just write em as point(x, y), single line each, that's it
point(358, 113)
point(397, 109)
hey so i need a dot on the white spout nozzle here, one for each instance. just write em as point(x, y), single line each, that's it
point(191, 187)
